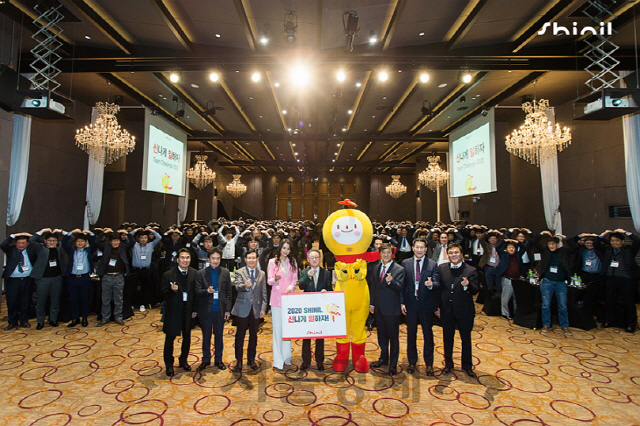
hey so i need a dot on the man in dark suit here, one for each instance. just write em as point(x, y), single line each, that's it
point(404, 245)
point(18, 278)
point(313, 279)
point(249, 307)
point(420, 298)
point(112, 269)
point(385, 287)
point(78, 273)
point(213, 296)
point(178, 290)
point(48, 272)
point(459, 283)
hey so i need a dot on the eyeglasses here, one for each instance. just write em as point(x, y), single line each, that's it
point(314, 257)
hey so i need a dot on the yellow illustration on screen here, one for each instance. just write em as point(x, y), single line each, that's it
point(165, 183)
point(468, 185)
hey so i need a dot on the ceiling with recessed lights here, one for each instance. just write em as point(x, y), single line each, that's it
point(271, 86)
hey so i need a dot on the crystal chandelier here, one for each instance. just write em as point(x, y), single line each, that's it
point(104, 139)
point(236, 188)
point(201, 175)
point(395, 188)
point(537, 140)
point(433, 177)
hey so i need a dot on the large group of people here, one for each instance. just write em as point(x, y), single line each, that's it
point(210, 273)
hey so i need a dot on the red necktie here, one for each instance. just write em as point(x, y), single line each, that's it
point(417, 274)
point(382, 273)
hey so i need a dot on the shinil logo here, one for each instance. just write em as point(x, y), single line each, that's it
point(605, 29)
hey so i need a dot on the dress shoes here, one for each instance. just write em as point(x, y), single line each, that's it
point(25, 325)
point(170, 372)
point(393, 371)
point(203, 366)
point(630, 330)
point(470, 373)
point(379, 363)
point(320, 366)
point(85, 322)
point(73, 323)
point(40, 326)
point(253, 365)
point(100, 323)
point(430, 371)
point(10, 327)
point(221, 366)
point(185, 366)
point(119, 322)
point(54, 323)
point(304, 366)
point(411, 369)
point(238, 368)
point(447, 370)
point(605, 325)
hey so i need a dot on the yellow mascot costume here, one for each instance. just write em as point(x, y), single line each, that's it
point(347, 233)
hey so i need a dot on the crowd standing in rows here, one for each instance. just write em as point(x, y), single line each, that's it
point(211, 273)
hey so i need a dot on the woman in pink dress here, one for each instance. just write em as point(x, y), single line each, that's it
point(282, 275)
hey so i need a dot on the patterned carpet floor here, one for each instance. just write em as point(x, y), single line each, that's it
point(114, 375)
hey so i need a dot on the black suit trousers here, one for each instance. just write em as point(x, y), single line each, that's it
point(186, 344)
point(212, 323)
point(425, 319)
point(18, 293)
point(388, 337)
point(465, 325)
point(306, 351)
point(249, 322)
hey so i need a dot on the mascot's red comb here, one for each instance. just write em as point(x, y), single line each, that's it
point(348, 202)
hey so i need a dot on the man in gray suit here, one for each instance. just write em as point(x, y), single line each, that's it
point(213, 296)
point(250, 306)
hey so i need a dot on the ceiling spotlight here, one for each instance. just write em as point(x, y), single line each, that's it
point(276, 84)
point(264, 40)
point(214, 76)
point(86, 36)
point(179, 113)
point(372, 38)
point(358, 84)
point(284, 112)
point(300, 75)
point(290, 26)
point(421, 33)
point(466, 77)
point(174, 77)
point(424, 77)
point(350, 25)
point(350, 112)
point(463, 99)
point(341, 76)
point(426, 110)
point(383, 76)
point(255, 77)
point(441, 85)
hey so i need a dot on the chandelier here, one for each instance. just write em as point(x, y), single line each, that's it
point(537, 140)
point(395, 188)
point(236, 188)
point(104, 139)
point(433, 177)
point(201, 175)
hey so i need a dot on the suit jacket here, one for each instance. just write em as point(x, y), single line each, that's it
point(175, 313)
point(428, 300)
point(13, 257)
point(43, 256)
point(628, 254)
point(383, 296)
point(70, 249)
point(279, 287)
point(204, 299)
point(105, 248)
point(456, 301)
point(323, 281)
point(250, 299)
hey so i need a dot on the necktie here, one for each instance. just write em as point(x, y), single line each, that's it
point(184, 273)
point(382, 273)
point(404, 242)
point(22, 262)
point(417, 275)
point(253, 279)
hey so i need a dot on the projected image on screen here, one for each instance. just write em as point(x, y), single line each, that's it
point(165, 163)
point(472, 159)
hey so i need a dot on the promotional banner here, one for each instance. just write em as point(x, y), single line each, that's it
point(165, 163)
point(313, 315)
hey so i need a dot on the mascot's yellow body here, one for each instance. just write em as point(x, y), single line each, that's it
point(347, 233)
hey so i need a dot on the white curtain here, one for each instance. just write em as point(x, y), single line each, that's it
point(183, 202)
point(550, 187)
point(20, 145)
point(631, 132)
point(95, 179)
point(454, 206)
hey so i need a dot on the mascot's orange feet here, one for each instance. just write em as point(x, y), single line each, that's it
point(359, 360)
point(342, 357)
